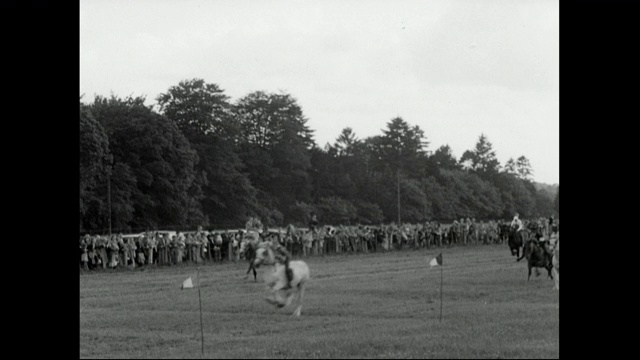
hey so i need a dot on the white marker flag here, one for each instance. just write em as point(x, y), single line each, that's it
point(436, 261)
point(187, 284)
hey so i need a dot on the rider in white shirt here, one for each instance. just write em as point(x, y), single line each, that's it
point(517, 222)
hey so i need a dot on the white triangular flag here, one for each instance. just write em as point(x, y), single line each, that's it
point(436, 260)
point(187, 284)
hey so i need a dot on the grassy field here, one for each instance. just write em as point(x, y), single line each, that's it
point(383, 305)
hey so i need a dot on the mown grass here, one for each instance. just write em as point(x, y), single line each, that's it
point(356, 306)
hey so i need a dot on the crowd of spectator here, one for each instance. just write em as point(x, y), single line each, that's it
point(167, 248)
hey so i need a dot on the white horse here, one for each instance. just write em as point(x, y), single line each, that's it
point(276, 279)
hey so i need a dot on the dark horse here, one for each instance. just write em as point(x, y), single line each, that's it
point(516, 241)
point(503, 232)
point(537, 257)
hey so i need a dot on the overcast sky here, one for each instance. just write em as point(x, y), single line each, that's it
point(455, 68)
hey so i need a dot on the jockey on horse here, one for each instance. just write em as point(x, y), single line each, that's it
point(516, 237)
point(517, 224)
point(251, 242)
point(283, 256)
point(545, 243)
point(537, 250)
point(290, 276)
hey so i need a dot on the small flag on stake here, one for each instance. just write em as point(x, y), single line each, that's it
point(187, 284)
point(436, 261)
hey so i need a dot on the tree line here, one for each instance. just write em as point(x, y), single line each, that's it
point(196, 158)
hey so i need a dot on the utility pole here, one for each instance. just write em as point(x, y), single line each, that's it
point(109, 198)
point(398, 180)
point(398, 196)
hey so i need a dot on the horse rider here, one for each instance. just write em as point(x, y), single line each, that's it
point(545, 243)
point(516, 222)
point(281, 254)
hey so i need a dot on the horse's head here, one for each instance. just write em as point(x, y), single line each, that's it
point(264, 255)
point(243, 247)
point(549, 247)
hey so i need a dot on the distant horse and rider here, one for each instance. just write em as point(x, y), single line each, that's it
point(248, 247)
point(538, 256)
point(538, 251)
point(517, 237)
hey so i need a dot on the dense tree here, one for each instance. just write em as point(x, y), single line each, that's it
point(510, 167)
point(198, 109)
point(346, 143)
point(350, 165)
point(207, 119)
point(322, 173)
point(206, 161)
point(94, 168)
point(521, 168)
point(516, 195)
point(300, 213)
point(485, 200)
point(414, 204)
point(336, 210)
point(544, 205)
point(375, 149)
point(440, 197)
point(458, 195)
point(368, 213)
point(402, 146)
point(549, 190)
point(482, 159)
point(266, 119)
point(274, 132)
point(443, 158)
point(154, 152)
point(229, 197)
point(468, 195)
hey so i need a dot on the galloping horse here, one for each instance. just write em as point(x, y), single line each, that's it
point(516, 241)
point(276, 280)
point(537, 257)
point(250, 244)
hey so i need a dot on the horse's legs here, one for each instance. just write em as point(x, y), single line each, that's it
point(290, 295)
point(246, 275)
point(274, 297)
point(255, 275)
point(299, 301)
point(518, 257)
point(556, 278)
point(528, 277)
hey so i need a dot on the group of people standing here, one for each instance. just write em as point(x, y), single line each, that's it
point(153, 247)
point(172, 248)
